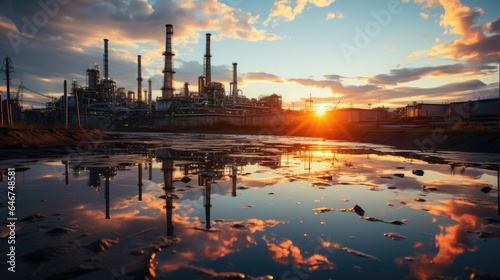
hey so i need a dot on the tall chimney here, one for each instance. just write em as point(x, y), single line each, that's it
point(150, 96)
point(106, 69)
point(139, 79)
point(186, 89)
point(167, 91)
point(235, 79)
point(208, 66)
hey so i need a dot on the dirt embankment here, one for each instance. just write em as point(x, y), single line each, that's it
point(40, 138)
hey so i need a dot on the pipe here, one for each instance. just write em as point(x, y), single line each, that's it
point(235, 79)
point(167, 91)
point(106, 68)
point(208, 66)
point(139, 79)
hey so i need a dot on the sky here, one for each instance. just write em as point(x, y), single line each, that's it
point(340, 53)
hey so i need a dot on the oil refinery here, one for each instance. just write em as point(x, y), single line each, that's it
point(101, 98)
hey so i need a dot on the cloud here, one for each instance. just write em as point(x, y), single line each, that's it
point(282, 10)
point(335, 87)
point(262, 76)
point(404, 75)
point(424, 15)
point(332, 15)
point(72, 33)
point(473, 45)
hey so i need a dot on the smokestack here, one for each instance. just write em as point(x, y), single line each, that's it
point(139, 79)
point(208, 65)
point(106, 69)
point(186, 89)
point(235, 79)
point(167, 91)
point(150, 96)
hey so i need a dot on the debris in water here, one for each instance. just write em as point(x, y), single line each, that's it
point(343, 199)
point(389, 204)
point(394, 236)
point(395, 222)
point(419, 199)
point(325, 177)
point(322, 184)
point(391, 187)
point(323, 209)
point(427, 189)
point(371, 219)
point(360, 254)
point(409, 259)
point(400, 175)
point(214, 274)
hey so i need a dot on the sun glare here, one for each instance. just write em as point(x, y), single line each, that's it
point(320, 110)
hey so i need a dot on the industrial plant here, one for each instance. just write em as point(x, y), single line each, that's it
point(101, 100)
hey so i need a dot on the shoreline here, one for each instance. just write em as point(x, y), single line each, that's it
point(481, 141)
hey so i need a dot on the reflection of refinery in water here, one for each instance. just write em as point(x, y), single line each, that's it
point(101, 98)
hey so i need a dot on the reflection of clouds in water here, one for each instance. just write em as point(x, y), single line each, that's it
point(286, 253)
point(453, 240)
point(205, 246)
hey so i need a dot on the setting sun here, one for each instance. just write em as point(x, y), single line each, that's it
point(320, 110)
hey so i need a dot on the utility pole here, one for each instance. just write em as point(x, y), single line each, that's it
point(8, 70)
point(1, 111)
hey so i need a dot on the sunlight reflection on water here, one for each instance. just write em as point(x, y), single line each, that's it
point(208, 206)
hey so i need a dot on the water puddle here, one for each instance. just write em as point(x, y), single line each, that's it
point(181, 206)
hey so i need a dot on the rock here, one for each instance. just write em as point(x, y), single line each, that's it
point(358, 210)
point(418, 172)
point(486, 189)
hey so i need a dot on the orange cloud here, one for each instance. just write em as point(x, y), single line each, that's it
point(283, 10)
point(473, 45)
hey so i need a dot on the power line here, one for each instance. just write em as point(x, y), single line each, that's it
point(46, 96)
